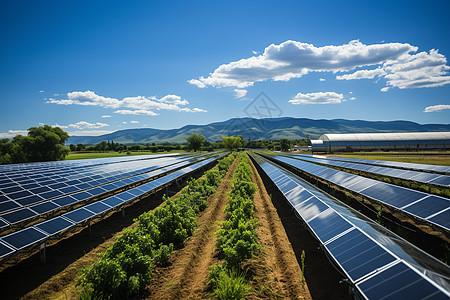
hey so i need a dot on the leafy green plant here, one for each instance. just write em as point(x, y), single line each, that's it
point(228, 284)
point(125, 268)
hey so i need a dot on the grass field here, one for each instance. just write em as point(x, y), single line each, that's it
point(442, 159)
point(87, 155)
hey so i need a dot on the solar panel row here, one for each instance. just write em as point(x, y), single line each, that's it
point(50, 229)
point(429, 208)
point(392, 164)
point(369, 257)
point(22, 212)
point(426, 178)
point(49, 184)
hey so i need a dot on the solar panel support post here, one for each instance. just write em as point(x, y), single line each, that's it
point(42, 254)
point(123, 212)
point(89, 227)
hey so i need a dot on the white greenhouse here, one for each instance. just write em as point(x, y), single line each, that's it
point(404, 141)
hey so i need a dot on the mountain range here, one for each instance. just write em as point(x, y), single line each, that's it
point(255, 129)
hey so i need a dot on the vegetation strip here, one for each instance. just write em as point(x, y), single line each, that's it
point(125, 268)
point(237, 239)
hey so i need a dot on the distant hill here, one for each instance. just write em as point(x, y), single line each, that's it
point(270, 128)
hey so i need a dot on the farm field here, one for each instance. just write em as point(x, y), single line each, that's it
point(279, 255)
point(275, 268)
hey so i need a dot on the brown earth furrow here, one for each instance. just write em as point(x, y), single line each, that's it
point(280, 274)
point(187, 274)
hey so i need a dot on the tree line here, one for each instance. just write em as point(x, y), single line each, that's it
point(47, 143)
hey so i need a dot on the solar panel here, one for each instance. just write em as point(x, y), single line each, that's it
point(394, 196)
point(24, 238)
point(392, 164)
point(55, 225)
point(418, 176)
point(5, 250)
point(364, 250)
point(79, 215)
point(399, 282)
point(19, 215)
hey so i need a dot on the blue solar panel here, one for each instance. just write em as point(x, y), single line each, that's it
point(55, 225)
point(399, 282)
point(20, 194)
point(442, 218)
point(407, 200)
point(44, 207)
point(81, 196)
point(429, 207)
point(5, 250)
point(18, 215)
point(24, 238)
point(112, 201)
point(8, 205)
point(66, 200)
point(78, 215)
point(97, 207)
point(29, 200)
point(362, 248)
point(359, 255)
point(328, 224)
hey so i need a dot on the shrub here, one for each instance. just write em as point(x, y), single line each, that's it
point(228, 284)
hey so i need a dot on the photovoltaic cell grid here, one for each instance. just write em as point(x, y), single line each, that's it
point(391, 164)
point(426, 178)
point(363, 259)
point(430, 208)
point(33, 235)
point(16, 211)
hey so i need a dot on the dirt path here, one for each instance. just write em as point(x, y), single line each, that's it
point(186, 276)
point(280, 272)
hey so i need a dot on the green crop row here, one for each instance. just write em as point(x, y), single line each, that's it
point(124, 270)
point(237, 239)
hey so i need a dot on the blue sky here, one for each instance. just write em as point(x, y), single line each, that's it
point(94, 67)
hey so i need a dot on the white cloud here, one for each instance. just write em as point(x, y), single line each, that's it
point(135, 112)
point(397, 62)
point(255, 52)
point(352, 98)
point(132, 105)
point(41, 91)
point(363, 74)
point(60, 126)
point(240, 93)
point(198, 83)
point(385, 89)
point(134, 122)
point(12, 133)
point(89, 132)
point(106, 116)
point(86, 125)
point(124, 122)
point(322, 79)
point(435, 108)
point(317, 98)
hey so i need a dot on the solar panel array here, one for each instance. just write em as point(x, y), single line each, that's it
point(28, 195)
point(429, 208)
point(51, 229)
point(422, 177)
point(393, 164)
point(379, 264)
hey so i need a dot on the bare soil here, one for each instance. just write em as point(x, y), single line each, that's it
point(321, 277)
point(279, 274)
point(186, 276)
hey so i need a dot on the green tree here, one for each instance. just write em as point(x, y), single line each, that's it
point(72, 147)
point(232, 142)
point(195, 141)
point(285, 144)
